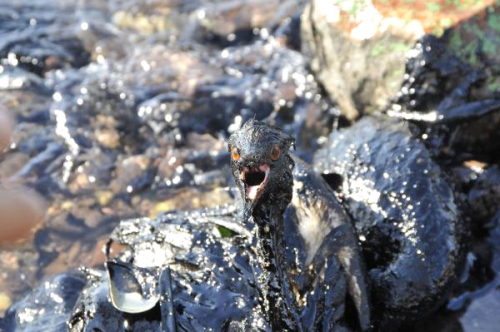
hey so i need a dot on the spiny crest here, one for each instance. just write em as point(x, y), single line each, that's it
point(257, 132)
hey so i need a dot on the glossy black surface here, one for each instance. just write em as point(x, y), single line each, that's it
point(406, 216)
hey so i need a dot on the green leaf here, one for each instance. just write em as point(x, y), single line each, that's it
point(225, 232)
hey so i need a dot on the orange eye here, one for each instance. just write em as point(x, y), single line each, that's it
point(275, 152)
point(235, 154)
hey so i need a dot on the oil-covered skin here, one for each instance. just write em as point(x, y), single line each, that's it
point(263, 171)
point(405, 214)
point(328, 234)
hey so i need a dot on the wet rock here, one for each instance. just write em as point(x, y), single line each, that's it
point(481, 314)
point(432, 73)
point(14, 279)
point(478, 291)
point(13, 78)
point(288, 32)
point(357, 52)
point(208, 273)
point(222, 23)
point(168, 165)
point(163, 113)
point(358, 48)
point(147, 24)
point(481, 184)
point(39, 39)
point(452, 94)
point(287, 95)
point(264, 79)
point(170, 68)
point(404, 211)
point(230, 20)
point(128, 171)
point(48, 308)
point(109, 138)
point(42, 161)
point(69, 237)
point(167, 20)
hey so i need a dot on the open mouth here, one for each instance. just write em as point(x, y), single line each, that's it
point(255, 180)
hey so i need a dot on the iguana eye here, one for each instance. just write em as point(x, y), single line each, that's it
point(275, 152)
point(235, 154)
